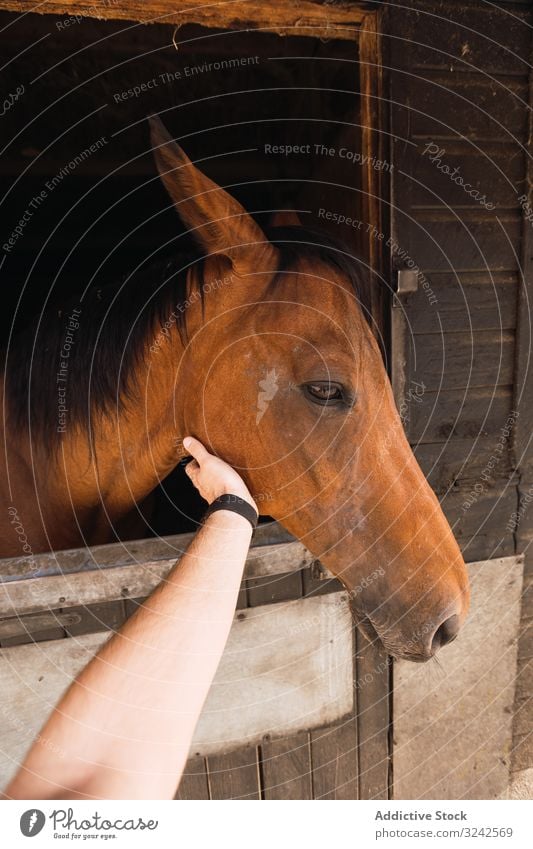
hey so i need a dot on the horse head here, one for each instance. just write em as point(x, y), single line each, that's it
point(286, 382)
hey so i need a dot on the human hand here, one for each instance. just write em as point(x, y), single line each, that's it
point(213, 477)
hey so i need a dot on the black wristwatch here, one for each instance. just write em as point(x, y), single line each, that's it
point(236, 504)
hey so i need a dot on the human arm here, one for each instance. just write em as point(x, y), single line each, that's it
point(126, 723)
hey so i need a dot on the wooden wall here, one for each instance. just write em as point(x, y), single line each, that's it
point(459, 81)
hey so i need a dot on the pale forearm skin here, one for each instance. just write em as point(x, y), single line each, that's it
point(126, 723)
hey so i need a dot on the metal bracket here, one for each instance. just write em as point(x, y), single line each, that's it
point(407, 281)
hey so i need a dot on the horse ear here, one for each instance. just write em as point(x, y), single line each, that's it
point(218, 222)
point(285, 218)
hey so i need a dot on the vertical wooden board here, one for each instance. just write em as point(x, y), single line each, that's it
point(286, 767)
point(335, 761)
point(372, 687)
point(194, 783)
point(236, 775)
point(453, 722)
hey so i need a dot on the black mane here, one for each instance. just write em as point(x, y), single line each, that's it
point(116, 325)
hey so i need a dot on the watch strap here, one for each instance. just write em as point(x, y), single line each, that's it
point(235, 504)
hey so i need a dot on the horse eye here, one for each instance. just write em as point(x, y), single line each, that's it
point(324, 392)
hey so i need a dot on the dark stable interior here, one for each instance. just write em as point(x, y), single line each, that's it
point(225, 96)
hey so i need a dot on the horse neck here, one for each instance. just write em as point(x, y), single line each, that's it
point(78, 493)
point(140, 444)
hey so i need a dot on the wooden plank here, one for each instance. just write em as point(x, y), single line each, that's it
point(459, 463)
point(335, 761)
point(449, 240)
point(375, 183)
point(127, 581)
point(287, 768)
point(459, 414)
point(274, 588)
point(493, 169)
point(194, 782)
point(462, 360)
point(99, 617)
point(452, 731)
point(373, 719)
point(29, 628)
point(459, 37)
point(286, 667)
point(236, 775)
point(302, 17)
point(467, 301)
point(523, 384)
point(466, 105)
point(480, 521)
point(169, 548)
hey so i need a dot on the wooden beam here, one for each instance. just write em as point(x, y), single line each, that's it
point(131, 580)
point(298, 17)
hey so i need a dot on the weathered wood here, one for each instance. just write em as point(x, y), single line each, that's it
point(108, 616)
point(286, 767)
point(286, 667)
point(124, 582)
point(468, 240)
point(459, 463)
point(458, 414)
point(444, 104)
point(274, 588)
point(194, 782)
point(36, 624)
point(301, 17)
point(462, 360)
point(493, 169)
point(467, 301)
point(459, 38)
point(482, 528)
point(375, 184)
point(372, 687)
point(132, 552)
point(452, 730)
point(236, 775)
point(523, 383)
point(335, 761)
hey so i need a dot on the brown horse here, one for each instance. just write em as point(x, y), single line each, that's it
point(260, 349)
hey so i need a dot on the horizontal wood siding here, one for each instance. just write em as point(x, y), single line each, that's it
point(459, 96)
point(460, 89)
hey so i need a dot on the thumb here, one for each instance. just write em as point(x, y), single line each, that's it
point(195, 449)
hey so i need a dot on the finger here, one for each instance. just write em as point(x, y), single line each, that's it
point(192, 468)
point(195, 449)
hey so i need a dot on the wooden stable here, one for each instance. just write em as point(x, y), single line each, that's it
point(452, 284)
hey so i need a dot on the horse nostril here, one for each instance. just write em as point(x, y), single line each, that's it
point(445, 633)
